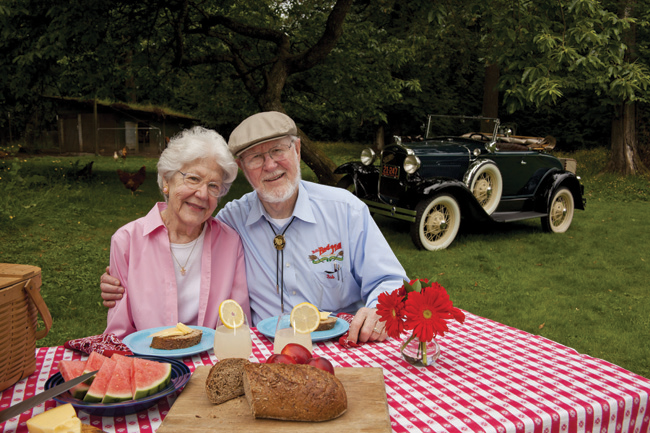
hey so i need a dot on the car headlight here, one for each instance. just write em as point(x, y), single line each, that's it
point(411, 164)
point(367, 156)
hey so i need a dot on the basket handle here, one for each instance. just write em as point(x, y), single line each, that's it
point(37, 299)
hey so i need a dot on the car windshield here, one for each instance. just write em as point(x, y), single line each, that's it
point(456, 126)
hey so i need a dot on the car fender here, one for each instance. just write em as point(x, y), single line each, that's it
point(364, 176)
point(469, 206)
point(553, 180)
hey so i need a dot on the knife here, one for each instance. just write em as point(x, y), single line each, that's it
point(42, 397)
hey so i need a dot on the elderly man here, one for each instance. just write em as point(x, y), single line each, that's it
point(303, 242)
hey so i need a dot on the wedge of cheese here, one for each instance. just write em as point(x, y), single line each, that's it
point(61, 419)
point(180, 329)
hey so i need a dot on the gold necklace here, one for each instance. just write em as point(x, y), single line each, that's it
point(188, 257)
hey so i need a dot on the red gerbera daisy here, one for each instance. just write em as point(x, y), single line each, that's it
point(391, 310)
point(426, 312)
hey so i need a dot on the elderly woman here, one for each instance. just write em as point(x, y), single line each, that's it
point(178, 263)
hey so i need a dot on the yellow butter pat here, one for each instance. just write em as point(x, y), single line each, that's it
point(324, 314)
point(61, 419)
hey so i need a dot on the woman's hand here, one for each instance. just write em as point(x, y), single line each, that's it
point(111, 289)
point(366, 326)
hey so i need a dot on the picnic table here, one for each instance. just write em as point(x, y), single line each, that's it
point(489, 378)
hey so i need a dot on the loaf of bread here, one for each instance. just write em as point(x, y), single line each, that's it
point(295, 392)
point(177, 341)
point(225, 380)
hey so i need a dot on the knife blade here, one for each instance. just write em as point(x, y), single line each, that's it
point(43, 396)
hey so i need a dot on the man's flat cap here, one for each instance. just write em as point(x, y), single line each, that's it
point(260, 128)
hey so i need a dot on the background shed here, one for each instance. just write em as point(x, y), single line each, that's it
point(89, 126)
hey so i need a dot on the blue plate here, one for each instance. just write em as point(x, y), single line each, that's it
point(180, 375)
point(267, 327)
point(140, 341)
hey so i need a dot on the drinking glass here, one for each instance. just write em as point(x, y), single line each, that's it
point(232, 343)
point(285, 334)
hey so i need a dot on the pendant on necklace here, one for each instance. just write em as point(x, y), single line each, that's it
point(182, 271)
point(279, 242)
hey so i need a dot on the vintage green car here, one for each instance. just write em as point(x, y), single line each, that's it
point(453, 172)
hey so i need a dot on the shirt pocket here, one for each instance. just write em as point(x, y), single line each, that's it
point(327, 283)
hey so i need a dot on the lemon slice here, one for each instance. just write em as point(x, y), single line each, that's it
point(305, 318)
point(231, 314)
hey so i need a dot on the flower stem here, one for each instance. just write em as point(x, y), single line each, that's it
point(423, 349)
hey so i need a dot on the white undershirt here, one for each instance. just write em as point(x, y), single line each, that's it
point(280, 222)
point(189, 285)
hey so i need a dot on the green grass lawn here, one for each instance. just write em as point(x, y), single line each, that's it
point(587, 288)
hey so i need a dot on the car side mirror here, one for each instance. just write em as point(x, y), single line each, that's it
point(491, 147)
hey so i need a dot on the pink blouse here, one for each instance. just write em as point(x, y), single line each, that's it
point(141, 259)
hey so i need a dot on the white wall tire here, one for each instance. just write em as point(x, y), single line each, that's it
point(486, 185)
point(436, 223)
point(560, 212)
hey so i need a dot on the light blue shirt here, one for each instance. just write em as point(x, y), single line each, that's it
point(335, 255)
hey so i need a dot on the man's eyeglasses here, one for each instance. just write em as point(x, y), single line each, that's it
point(277, 154)
point(194, 181)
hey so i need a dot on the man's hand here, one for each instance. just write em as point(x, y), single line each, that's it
point(111, 289)
point(366, 326)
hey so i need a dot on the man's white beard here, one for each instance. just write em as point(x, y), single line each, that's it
point(278, 195)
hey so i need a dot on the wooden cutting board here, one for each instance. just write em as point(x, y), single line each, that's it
point(367, 411)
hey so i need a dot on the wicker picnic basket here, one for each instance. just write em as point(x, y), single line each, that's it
point(20, 305)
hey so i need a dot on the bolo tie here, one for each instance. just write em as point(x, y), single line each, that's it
point(279, 242)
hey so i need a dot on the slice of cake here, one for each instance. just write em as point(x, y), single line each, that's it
point(180, 337)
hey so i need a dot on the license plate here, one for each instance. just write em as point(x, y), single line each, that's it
point(390, 171)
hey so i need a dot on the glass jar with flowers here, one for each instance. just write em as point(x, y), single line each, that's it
point(423, 308)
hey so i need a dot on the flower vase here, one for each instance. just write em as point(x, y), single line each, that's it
point(420, 353)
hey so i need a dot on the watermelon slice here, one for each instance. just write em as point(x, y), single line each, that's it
point(94, 362)
point(98, 388)
point(119, 387)
point(70, 370)
point(149, 377)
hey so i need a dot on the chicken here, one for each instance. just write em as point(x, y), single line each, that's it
point(124, 152)
point(85, 172)
point(115, 157)
point(132, 181)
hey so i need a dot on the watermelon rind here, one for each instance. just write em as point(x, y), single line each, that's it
point(69, 370)
point(119, 387)
point(98, 388)
point(149, 377)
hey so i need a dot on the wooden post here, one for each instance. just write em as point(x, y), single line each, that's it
point(96, 126)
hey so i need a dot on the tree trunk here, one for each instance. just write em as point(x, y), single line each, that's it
point(624, 157)
point(490, 95)
point(315, 159)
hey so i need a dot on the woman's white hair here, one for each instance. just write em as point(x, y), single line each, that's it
point(192, 144)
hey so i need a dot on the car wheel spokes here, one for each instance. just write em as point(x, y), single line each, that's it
point(437, 223)
point(483, 189)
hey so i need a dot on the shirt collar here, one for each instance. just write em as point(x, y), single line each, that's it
point(153, 219)
point(301, 211)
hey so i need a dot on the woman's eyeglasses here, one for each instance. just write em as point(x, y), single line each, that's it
point(194, 181)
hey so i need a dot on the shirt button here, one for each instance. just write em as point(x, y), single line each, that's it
point(288, 265)
point(293, 293)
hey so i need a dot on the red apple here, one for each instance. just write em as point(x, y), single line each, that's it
point(321, 363)
point(298, 351)
point(277, 358)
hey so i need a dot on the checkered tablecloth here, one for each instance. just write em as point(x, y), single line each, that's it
point(490, 378)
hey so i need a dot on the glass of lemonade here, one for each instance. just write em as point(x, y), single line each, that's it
point(232, 342)
point(285, 334)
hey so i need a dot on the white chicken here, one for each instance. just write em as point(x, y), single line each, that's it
point(115, 157)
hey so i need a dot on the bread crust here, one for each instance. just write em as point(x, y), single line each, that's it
point(225, 380)
point(293, 392)
point(177, 341)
